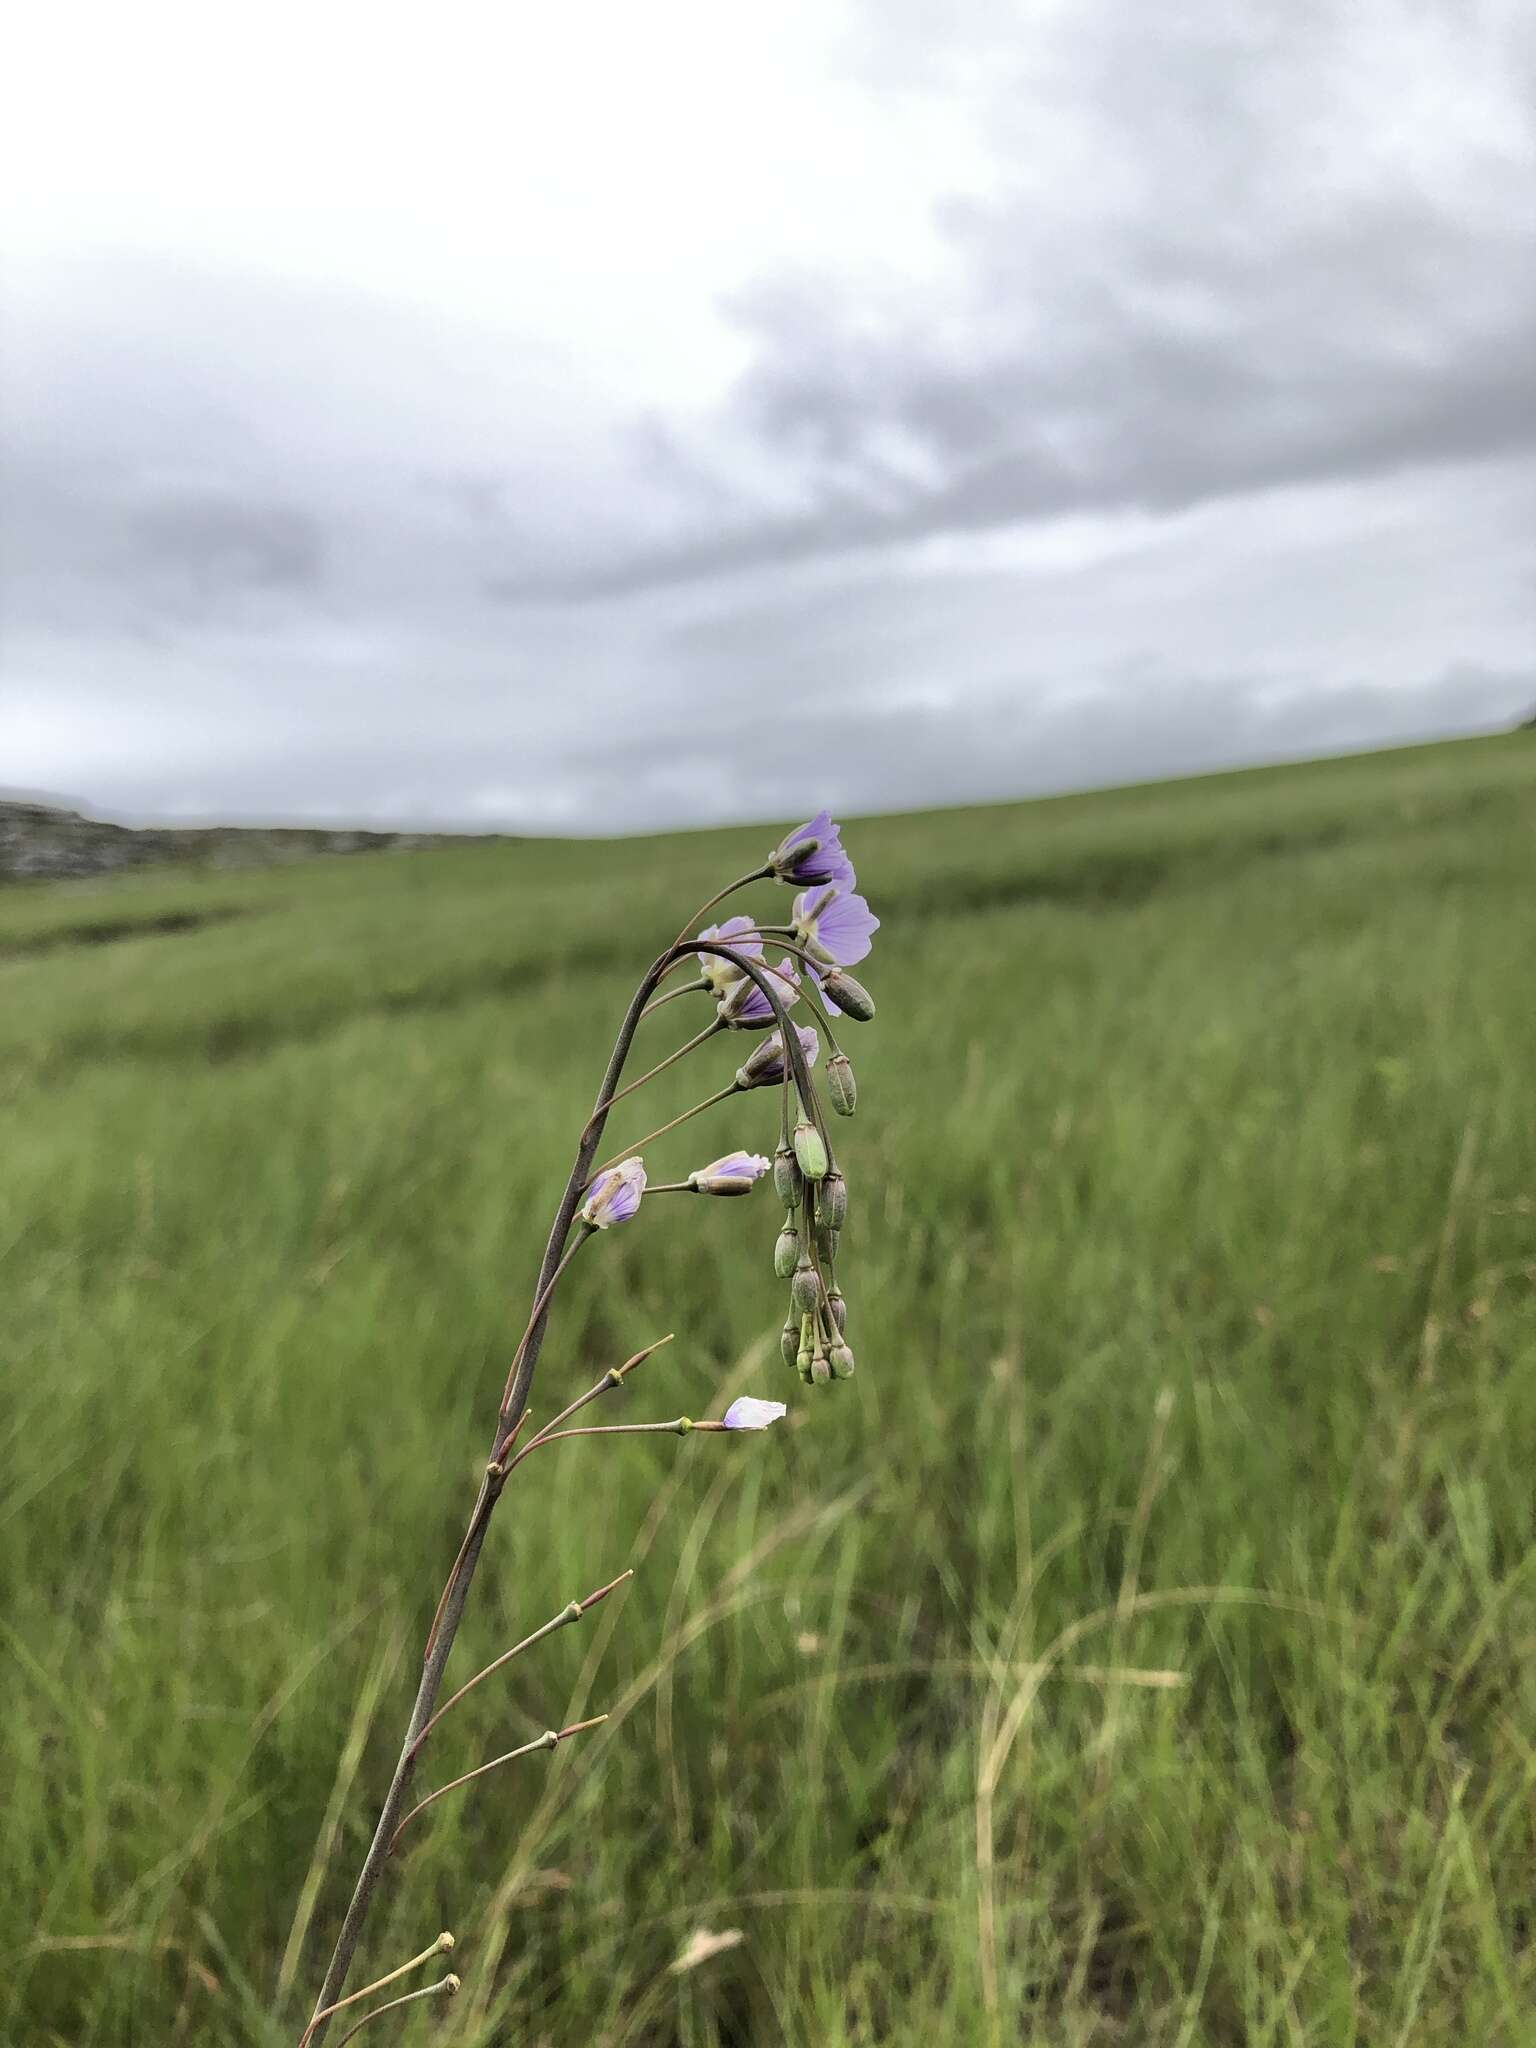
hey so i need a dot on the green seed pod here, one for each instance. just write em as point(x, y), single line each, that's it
point(810, 1149)
point(787, 1182)
point(841, 1359)
point(839, 1308)
point(850, 996)
point(803, 1355)
point(789, 1340)
point(805, 1288)
point(786, 1252)
point(842, 1089)
point(827, 1242)
point(821, 1365)
point(832, 1201)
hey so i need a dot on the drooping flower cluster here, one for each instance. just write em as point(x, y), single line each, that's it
point(830, 929)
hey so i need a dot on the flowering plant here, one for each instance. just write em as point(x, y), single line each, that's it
point(831, 928)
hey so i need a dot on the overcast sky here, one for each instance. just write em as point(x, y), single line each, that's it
point(576, 418)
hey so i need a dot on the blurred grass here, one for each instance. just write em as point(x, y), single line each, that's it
point(1138, 1649)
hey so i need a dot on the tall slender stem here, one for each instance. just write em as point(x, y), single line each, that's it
point(512, 1408)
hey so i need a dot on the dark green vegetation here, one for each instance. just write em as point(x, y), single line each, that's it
point(1142, 1648)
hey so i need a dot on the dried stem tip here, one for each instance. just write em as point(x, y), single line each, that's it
point(446, 1987)
point(550, 1739)
point(441, 1946)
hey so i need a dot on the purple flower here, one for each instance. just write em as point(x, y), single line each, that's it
point(739, 932)
point(615, 1195)
point(747, 1412)
point(766, 1066)
point(813, 853)
point(839, 921)
point(835, 923)
point(736, 1174)
point(746, 1007)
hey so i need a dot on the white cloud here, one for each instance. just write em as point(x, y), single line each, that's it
point(497, 415)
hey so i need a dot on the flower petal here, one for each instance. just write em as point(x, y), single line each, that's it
point(747, 1412)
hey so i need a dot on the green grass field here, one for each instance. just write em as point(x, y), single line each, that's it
point(1141, 1648)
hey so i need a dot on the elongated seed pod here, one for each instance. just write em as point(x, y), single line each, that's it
point(850, 996)
point(805, 1288)
point(842, 1089)
point(832, 1201)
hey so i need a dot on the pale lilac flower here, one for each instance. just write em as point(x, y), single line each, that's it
point(766, 1066)
point(735, 1174)
point(835, 924)
point(813, 853)
point(747, 1412)
point(739, 932)
point(615, 1195)
point(746, 1008)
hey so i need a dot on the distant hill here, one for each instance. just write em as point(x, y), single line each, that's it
point(39, 840)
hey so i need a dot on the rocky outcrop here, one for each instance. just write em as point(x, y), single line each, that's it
point(41, 840)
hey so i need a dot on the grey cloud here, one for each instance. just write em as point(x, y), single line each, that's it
point(1132, 727)
point(1136, 725)
point(1201, 433)
point(1241, 287)
point(215, 544)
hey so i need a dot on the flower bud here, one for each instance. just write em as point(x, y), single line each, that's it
point(839, 1308)
point(787, 1182)
point(850, 996)
point(821, 1365)
point(615, 1195)
point(810, 1150)
point(803, 1355)
point(789, 1340)
point(805, 1287)
point(842, 1089)
point(841, 1360)
point(832, 1201)
point(737, 1173)
point(786, 1252)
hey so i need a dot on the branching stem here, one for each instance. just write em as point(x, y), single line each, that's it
point(515, 1401)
